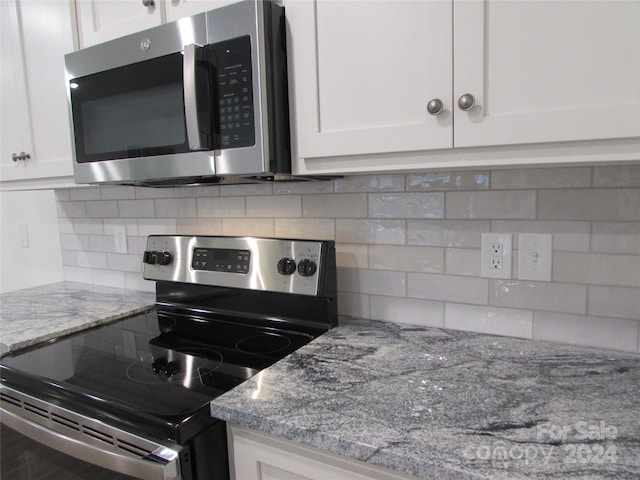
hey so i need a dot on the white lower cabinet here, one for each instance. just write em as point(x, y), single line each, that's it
point(389, 79)
point(257, 456)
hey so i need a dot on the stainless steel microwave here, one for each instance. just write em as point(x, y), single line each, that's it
point(200, 100)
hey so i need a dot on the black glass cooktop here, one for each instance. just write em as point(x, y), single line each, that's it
point(162, 367)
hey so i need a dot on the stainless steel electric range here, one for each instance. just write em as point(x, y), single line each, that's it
point(131, 399)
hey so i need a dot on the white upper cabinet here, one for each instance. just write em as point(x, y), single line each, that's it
point(35, 36)
point(177, 9)
point(363, 74)
point(102, 20)
point(546, 71)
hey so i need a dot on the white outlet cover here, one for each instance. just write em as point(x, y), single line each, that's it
point(120, 238)
point(534, 256)
point(486, 255)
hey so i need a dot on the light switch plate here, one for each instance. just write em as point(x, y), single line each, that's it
point(534, 256)
point(495, 256)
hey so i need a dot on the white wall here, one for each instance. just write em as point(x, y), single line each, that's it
point(41, 262)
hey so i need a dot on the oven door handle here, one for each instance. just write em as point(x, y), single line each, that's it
point(155, 469)
point(192, 53)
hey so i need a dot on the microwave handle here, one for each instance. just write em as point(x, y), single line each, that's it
point(191, 54)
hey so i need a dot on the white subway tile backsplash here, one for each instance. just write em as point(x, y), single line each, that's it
point(259, 227)
point(92, 260)
point(136, 208)
point(373, 282)
point(130, 223)
point(242, 190)
point(462, 261)
point(371, 231)
point(77, 274)
point(619, 204)
point(317, 228)
point(151, 193)
point(448, 288)
point(354, 305)
point(339, 205)
point(598, 269)
point(108, 278)
point(614, 302)
point(407, 243)
point(407, 310)
point(68, 209)
point(406, 205)
point(87, 226)
point(500, 321)
point(84, 194)
point(618, 176)
point(448, 181)
point(616, 237)
point(406, 259)
point(369, 183)
point(74, 242)
point(352, 256)
point(197, 191)
point(556, 297)
point(274, 206)
point(528, 178)
point(603, 332)
point(156, 226)
point(103, 209)
point(221, 207)
point(175, 207)
point(125, 262)
point(446, 233)
point(199, 226)
point(494, 205)
point(567, 236)
point(117, 193)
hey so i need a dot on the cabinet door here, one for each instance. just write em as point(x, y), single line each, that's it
point(362, 74)
point(44, 50)
point(100, 20)
point(546, 71)
point(16, 123)
point(177, 9)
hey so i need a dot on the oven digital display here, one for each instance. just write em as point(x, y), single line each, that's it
point(221, 260)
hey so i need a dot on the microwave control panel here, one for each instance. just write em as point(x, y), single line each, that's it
point(232, 60)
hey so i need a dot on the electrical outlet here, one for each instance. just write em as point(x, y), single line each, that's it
point(534, 257)
point(120, 238)
point(23, 235)
point(496, 255)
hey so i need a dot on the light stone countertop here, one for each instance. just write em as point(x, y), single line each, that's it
point(443, 404)
point(33, 315)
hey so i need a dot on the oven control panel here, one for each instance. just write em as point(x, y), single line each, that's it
point(280, 265)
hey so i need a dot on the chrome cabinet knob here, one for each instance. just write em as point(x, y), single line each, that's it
point(148, 3)
point(22, 156)
point(435, 107)
point(466, 102)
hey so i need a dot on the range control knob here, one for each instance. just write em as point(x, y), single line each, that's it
point(307, 268)
point(164, 258)
point(152, 257)
point(149, 257)
point(286, 266)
